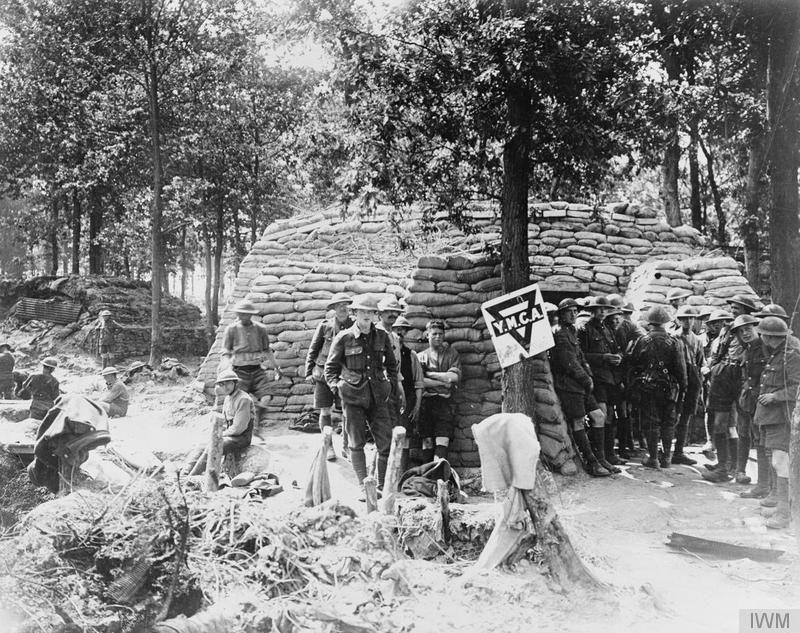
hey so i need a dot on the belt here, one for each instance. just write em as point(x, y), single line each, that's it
point(246, 367)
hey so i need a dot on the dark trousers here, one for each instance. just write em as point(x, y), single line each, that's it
point(366, 410)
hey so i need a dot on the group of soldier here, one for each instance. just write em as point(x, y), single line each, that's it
point(738, 368)
point(42, 388)
point(358, 362)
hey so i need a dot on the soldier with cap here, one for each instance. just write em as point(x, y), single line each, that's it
point(441, 366)
point(603, 355)
point(44, 389)
point(238, 414)
point(692, 348)
point(572, 379)
point(115, 400)
point(105, 331)
point(389, 309)
point(777, 396)
point(658, 382)
point(7, 362)
point(361, 366)
point(245, 347)
point(324, 397)
point(413, 385)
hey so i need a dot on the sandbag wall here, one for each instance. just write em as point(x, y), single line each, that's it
point(452, 289)
point(711, 280)
point(292, 296)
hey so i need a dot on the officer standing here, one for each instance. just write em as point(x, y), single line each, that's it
point(389, 310)
point(658, 377)
point(44, 389)
point(572, 378)
point(324, 398)
point(106, 330)
point(780, 379)
point(601, 352)
point(361, 366)
point(245, 345)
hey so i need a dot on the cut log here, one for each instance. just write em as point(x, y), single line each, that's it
point(393, 468)
point(443, 501)
point(371, 493)
point(720, 549)
point(214, 461)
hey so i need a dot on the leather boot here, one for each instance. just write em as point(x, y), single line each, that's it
point(781, 518)
point(761, 489)
point(771, 500)
point(720, 474)
point(593, 467)
point(681, 431)
point(598, 440)
point(666, 445)
point(609, 435)
point(742, 455)
point(625, 442)
point(733, 450)
point(651, 461)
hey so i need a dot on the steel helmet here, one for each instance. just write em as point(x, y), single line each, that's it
point(658, 315)
point(50, 362)
point(720, 315)
point(772, 309)
point(109, 370)
point(678, 293)
point(566, 304)
point(748, 303)
point(628, 308)
point(773, 326)
point(598, 302)
point(615, 300)
point(742, 320)
point(686, 312)
point(104, 313)
point(226, 375)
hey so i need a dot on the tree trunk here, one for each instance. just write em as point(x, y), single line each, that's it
point(722, 220)
point(256, 209)
point(53, 237)
point(210, 325)
point(76, 232)
point(155, 237)
point(694, 168)
point(184, 263)
point(95, 226)
point(752, 220)
point(783, 120)
point(219, 245)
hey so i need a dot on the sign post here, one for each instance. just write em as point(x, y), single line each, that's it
point(518, 324)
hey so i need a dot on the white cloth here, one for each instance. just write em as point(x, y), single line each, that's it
point(509, 451)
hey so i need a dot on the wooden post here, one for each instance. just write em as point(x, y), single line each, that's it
point(393, 467)
point(327, 440)
point(371, 493)
point(214, 458)
point(443, 501)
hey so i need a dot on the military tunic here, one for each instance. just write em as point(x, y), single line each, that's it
point(247, 346)
point(316, 357)
point(44, 390)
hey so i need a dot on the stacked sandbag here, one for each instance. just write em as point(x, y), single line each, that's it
point(452, 289)
point(711, 280)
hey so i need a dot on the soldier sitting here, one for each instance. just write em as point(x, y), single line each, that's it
point(115, 400)
point(44, 389)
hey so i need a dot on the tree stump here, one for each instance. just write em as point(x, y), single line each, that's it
point(393, 470)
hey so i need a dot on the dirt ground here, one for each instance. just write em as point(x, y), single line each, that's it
point(618, 525)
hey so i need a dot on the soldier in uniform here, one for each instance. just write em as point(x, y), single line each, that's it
point(6, 372)
point(245, 346)
point(626, 334)
point(413, 385)
point(389, 309)
point(44, 389)
point(572, 378)
point(658, 378)
point(324, 398)
point(106, 330)
point(717, 320)
point(773, 309)
point(693, 357)
point(441, 366)
point(115, 400)
point(361, 366)
point(777, 396)
point(601, 352)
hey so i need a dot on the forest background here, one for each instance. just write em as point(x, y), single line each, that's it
point(156, 139)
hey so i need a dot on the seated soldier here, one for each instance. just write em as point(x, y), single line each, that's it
point(239, 414)
point(115, 400)
point(44, 389)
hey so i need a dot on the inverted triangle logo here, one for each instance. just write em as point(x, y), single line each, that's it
point(516, 316)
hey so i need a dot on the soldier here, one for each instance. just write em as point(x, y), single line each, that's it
point(717, 320)
point(413, 385)
point(676, 297)
point(324, 397)
point(572, 378)
point(6, 372)
point(361, 366)
point(245, 346)
point(239, 418)
point(780, 379)
point(626, 335)
point(106, 330)
point(693, 357)
point(115, 400)
point(658, 378)
point(441, 366)
point(551, 310)
point(601, 352)
point(773, 309)
point(44, 389)
point(389, 309)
